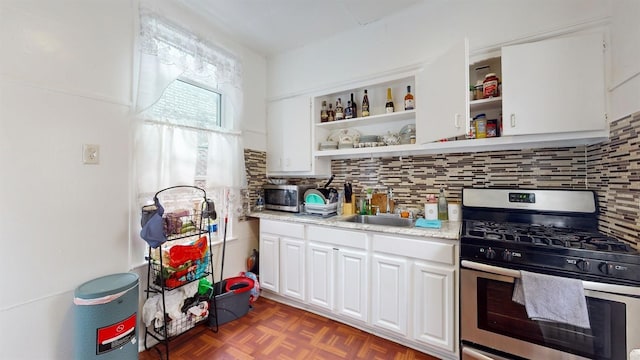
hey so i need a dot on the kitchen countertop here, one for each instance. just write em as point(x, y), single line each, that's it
point(450, 230)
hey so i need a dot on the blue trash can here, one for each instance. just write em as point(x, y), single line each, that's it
point(106, 318)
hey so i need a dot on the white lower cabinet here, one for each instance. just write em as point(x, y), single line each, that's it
point(320, 275)
point(389, 293)
point(352, 289)
point(434, 305)
point(282, 262)
point(292, 268)
point(269, 263)
point(422, 273)
point(344, 288)
point(399, 287)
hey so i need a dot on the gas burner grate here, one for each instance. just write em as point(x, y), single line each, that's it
point(540, 235)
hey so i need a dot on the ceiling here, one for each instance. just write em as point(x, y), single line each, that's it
point(273, 26)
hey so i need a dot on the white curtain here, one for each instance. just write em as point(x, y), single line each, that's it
point(161, 161)
point(165, 154)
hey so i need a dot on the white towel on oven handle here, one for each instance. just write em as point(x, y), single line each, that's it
point(552, 298)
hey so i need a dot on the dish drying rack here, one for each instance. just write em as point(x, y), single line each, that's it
point(321, 209)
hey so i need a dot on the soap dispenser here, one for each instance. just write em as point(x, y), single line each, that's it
point(443, 213)
point(390, 204)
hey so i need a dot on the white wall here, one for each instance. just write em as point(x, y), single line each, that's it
point(420, 34)
point(66, 71)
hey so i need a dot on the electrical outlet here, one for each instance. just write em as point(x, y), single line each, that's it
point(91, 154)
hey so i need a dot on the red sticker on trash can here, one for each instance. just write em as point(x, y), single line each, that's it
point(115, 336)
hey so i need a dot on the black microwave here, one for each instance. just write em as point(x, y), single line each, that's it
point(285, 197)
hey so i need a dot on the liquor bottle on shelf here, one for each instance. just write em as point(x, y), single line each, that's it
point(354, 107)
point(339, 110)
point(348, 111)
point(324, 117)
point(389, 105)
point(331, 116)
point(409, 103)
point(365, 104)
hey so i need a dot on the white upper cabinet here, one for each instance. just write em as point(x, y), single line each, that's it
point(441, 88)
point(553, 86)
point(289, 138)
point(553, 94)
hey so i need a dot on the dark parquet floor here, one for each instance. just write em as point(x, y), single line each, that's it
point(275, 331)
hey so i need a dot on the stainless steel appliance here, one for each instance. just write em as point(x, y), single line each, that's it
point(285, 197)
point(551, 232)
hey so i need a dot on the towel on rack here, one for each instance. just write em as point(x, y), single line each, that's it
point(552, 298)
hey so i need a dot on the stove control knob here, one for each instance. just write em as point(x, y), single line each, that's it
point(507, 256)
point(583, 265)
point(605, 268)
point(490, 254)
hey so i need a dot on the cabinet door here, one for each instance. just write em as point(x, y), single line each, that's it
point(442, 89)
point(352, 289)
point(389, 301)
point(434, 304)
point(269, 262)
point(320, 276)
point(275, 135)
point(292, 268)
point(554, 86)
point(289, 135)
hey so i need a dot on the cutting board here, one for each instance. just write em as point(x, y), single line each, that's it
point(380, 200)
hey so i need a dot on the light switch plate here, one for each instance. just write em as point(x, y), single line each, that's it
point(91, 154)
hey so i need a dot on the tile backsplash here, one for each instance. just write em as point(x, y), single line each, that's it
point(612, 169)
point(614, 173)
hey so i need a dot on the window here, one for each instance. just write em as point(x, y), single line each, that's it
point(189, 104)
point(185, 102)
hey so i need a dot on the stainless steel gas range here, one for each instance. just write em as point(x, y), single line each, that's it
point(510, 234)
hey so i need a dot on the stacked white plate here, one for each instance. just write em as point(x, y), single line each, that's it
point(321, 209)
point(369, 138)
point(328, 145)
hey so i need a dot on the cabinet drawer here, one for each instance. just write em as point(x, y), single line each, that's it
point(337, 237)
point(282, 228)
point(415, 248)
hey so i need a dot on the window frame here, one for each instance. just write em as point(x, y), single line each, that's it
point(220, 105)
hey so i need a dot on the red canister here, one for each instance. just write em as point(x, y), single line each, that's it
point(490, 86)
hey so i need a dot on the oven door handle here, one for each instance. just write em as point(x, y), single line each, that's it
point(471, 354)
point(587, 285)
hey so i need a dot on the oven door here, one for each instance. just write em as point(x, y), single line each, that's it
point(493, 324)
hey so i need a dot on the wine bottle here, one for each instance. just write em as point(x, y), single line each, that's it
point(409, 103)
point(354, 107)
point(365, 104)
point(331, 116)
point(324, 117)
point(348, 111)
point(389, 105)
point(339, 110)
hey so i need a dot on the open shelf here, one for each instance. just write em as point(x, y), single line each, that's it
point(397, 116)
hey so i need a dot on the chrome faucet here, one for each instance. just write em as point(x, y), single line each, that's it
point(389, 199)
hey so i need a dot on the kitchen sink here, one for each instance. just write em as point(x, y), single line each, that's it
point(381, 220)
